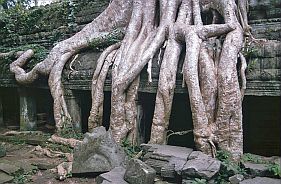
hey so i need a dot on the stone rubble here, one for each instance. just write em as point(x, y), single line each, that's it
point(97, 153)
point(115, 176)
point(261, 180)
point(173, 161)
point(139, 172)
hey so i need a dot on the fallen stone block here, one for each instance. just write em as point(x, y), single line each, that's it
point(167, 160)
point(115, 176)
point(5, 178)
point(139, 172)
point(8, 168)
point(261, 180)
point(200, 165)
point(256, 169)
point(97, 153)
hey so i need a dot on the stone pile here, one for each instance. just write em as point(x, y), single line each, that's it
point(160, 164)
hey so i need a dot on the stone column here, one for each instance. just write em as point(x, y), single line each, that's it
point(73, 104)
point(28, 120)
point(1, 112)
point(140, 124)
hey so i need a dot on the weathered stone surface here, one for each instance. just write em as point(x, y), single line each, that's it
point(5, 178)
point(115, 176)
point(8, 168)
point(139, 172)
point(256, 169)
point(45, 166)
point(28, 119)
point(184, 181)
point(2, 150)
point(200, 165)
point(97, 153)
point(167, 160)
point(261, 180)
point(236, 178)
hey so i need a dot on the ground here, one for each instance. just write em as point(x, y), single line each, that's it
point(20, 154)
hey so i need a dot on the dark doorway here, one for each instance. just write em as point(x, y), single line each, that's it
point(261, 123)
point(181, 120)
point(10, 105)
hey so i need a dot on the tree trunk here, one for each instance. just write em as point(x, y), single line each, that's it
point(151, 28)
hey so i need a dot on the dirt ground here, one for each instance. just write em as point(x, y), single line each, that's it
point(26, 165)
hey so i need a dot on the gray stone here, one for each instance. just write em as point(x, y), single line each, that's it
point(256, 169)
point(5, 178)
point(2, 150)
point(167, 160)
point(28, 120)
point(139, 172)
point(97, 153)
point(261, 180)
point(1, 113)
point(184, 181)
point(8, 168)
point(201, 165)
point(236, 178)
point(45, 166)
point(115, 176)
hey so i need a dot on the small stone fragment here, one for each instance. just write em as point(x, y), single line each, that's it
point(2, 150)
point(115, 176)
point(139, 172)
point(236, 179)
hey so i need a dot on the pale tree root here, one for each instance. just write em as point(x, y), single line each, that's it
point(115, 16)
point(216, 110)
point(123, 100)
point(38, 150)
point(167, 76)
point(104, 62)
point(63, 170)
point(67, 142)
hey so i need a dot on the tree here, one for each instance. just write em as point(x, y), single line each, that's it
point(11, 3)
point(159, 31)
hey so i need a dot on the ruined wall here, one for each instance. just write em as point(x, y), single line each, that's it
point(48, 25)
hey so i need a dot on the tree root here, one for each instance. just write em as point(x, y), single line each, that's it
point(52, 154)
point(159, 31)
point(11, 133)
point(67, 142)
point(64, 169)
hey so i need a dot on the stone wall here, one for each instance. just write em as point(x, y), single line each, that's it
point(48, 25)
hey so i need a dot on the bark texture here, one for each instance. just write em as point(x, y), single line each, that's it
point(158, 31)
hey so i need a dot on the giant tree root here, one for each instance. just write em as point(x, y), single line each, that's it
point(158, 30)
point(67, 142)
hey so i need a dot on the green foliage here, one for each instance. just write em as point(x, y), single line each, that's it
point(248, 157)
point(229, 167)
point(275, 169)
point(272, 167)
point(59, 147)
point(68, 131)
point(130, 150)
point(19, 20)
point(199, 181)
point(108, 39)
point(21, 177)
